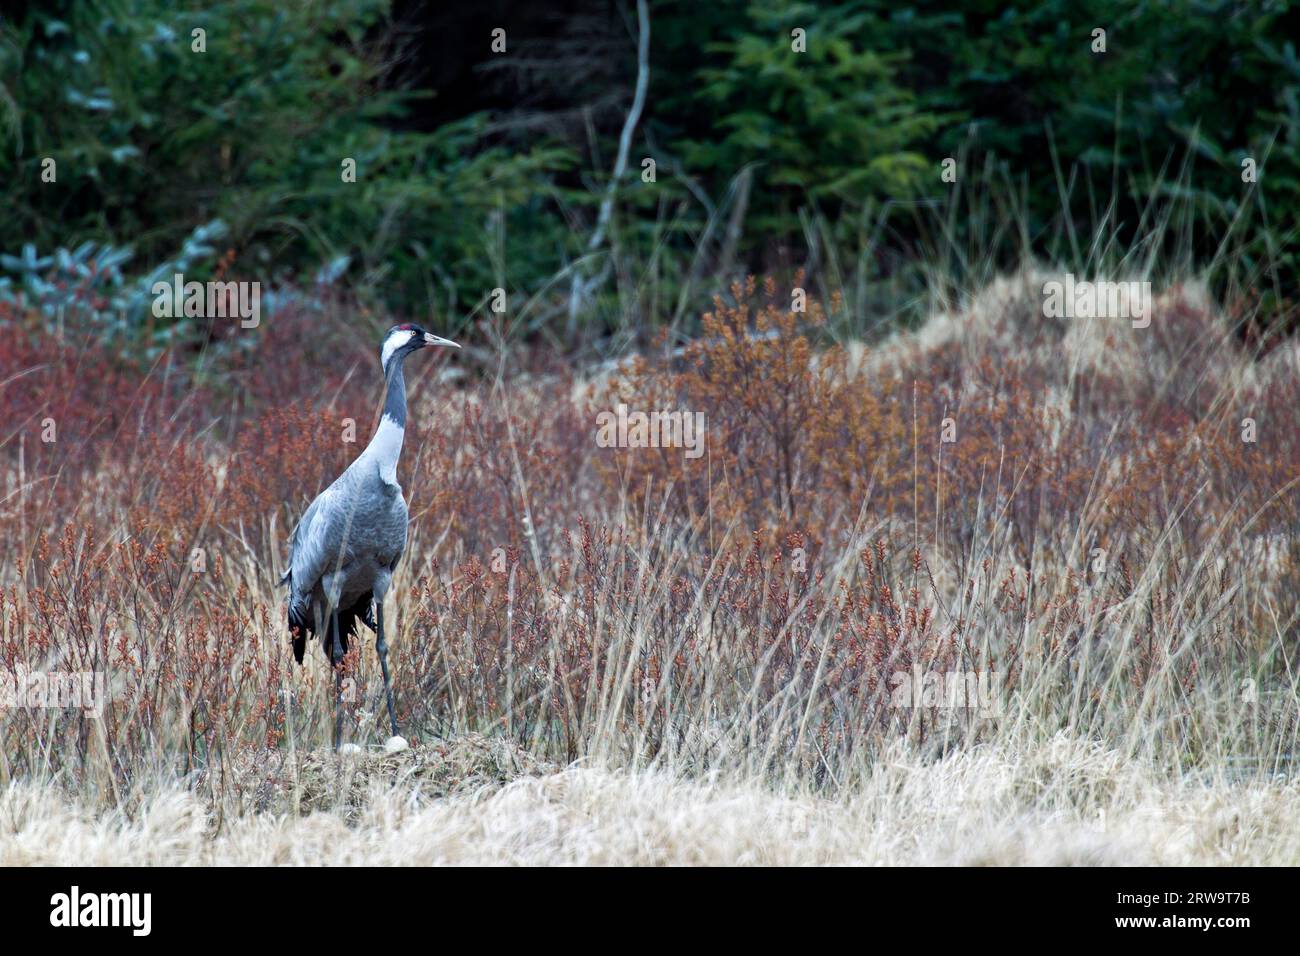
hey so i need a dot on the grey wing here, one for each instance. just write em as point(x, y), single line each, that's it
point(317, 542)
point(401, 519)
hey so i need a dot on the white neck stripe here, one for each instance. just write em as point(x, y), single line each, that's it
point(393, 343)
point(385, 448)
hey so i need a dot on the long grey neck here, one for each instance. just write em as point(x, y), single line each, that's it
point(395, 400)
point(386, 445)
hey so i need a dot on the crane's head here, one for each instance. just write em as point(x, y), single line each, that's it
point(406, 338)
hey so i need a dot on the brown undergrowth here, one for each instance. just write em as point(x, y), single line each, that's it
point(1097, 537)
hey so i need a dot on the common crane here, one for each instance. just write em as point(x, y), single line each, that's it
point(348, 543)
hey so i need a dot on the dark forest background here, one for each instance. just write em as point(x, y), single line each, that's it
point(478, 170)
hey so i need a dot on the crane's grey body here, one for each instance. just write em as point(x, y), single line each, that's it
point(350, 539)
point(348, 543)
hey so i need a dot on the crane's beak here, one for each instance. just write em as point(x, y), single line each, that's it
point(431, 339)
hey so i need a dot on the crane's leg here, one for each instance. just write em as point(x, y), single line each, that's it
point(381, 646)
point(336, 657)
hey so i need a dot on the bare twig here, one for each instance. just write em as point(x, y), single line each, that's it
point(580, 290)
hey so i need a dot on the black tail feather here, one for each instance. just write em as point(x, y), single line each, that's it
point(302, 623)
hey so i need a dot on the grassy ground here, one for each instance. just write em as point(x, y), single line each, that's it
point(474, 801)
point(609, 655)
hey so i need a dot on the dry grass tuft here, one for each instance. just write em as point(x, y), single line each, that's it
point(987, 806)
point(274, 781)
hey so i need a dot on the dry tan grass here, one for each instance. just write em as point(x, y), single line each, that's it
point(1068, 802)
point(346, 783)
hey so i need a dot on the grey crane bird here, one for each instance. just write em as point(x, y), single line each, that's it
point(347, 545)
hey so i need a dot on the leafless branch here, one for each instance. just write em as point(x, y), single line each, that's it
point(580, 289)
